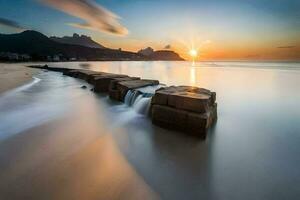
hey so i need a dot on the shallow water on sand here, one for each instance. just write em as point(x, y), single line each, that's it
point(58, 141)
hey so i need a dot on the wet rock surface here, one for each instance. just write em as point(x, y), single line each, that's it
point(114, 92)
point(187, 109)
point(125, 86)
point(101, 82)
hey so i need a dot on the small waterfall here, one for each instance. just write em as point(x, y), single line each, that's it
point(138, 100)
point(131, 97)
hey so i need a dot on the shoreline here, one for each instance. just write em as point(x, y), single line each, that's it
point(13, 76)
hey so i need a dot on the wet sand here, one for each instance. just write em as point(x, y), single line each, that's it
point(14, 75)
point(61, 161)
point(68, 157)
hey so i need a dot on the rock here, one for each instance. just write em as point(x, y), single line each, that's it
point(189, 109)
point(81, 73)
point(46, 67)
point(124, 86)
point(185, 98)
point(169, 117)
point(114, 93)
point(101, 82)
point(91, 78)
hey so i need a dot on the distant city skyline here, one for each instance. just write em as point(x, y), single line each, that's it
point(219, 30)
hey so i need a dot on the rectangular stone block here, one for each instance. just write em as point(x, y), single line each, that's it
point(160, 98)
point(113, 83)
point(188, 109)
point(114, 93)
point(124, 86)
point(80, 73)
point(101, 83)
point(93, 78)
point(190, 101)
point(169, 117)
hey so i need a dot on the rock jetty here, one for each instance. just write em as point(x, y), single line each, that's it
point(187, 109)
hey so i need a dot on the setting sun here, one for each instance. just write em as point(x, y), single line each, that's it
point(193, 53)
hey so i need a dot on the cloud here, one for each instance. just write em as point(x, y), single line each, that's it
point(11, 24)
point(286, 47)
point(168, 46)
point(95, 16)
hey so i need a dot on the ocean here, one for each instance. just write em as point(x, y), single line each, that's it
point(59, 141)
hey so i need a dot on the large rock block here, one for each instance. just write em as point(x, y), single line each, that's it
point(124, 86)
point(189, 109)
point(93, 77)
point(185, 98)
point(81, 73)
point(169, 117)
point(101, 82)
point(114, 93)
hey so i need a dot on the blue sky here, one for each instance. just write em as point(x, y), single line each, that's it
point(258, 24)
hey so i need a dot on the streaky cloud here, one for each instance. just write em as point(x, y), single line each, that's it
point(96, 17)
point(286, 47)
point(11, 24)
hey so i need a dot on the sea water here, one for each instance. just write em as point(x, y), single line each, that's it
point(60, 141)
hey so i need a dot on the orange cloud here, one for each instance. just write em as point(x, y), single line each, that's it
point(95, 16)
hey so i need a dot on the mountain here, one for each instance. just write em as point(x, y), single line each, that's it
point(40, 46)
point(159, 55)
point(76, 39)
point(165, 55)
point(146, 52)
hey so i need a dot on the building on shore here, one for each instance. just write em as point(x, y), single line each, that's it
point(8, 56)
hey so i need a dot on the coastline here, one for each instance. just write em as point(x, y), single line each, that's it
point(13, 75)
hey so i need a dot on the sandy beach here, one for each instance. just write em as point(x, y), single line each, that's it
point(14, 75)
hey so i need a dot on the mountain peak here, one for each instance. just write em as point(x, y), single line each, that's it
point(32, 32)
point(146, 52)
point(75, 35)
point(77, 39)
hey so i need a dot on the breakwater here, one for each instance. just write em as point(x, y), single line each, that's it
point(187, 109)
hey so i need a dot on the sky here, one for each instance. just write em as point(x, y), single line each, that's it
point(217, 29)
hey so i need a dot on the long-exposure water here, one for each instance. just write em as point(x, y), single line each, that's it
point(59, 141)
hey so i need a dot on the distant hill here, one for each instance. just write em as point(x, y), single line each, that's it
point(159, 55)
point(76, 39)
point(146, 52)
point(40, 47)
point(165, 55)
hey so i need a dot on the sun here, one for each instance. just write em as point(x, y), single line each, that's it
point(193, 53)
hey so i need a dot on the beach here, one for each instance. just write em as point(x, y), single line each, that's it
point(14, 75)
